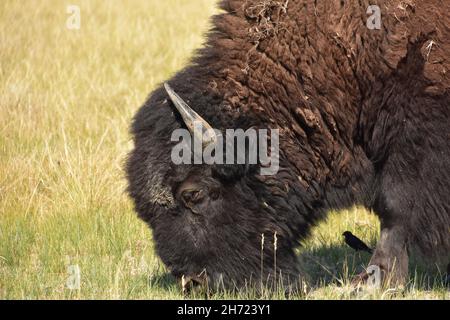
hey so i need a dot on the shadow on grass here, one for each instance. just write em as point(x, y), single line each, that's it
point(332, 264)
point(338, 264)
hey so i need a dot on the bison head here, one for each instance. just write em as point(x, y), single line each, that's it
point(223, 224)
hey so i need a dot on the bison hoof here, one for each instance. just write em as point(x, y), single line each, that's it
point(193, 283)
point(372, 276)
point(360, 279)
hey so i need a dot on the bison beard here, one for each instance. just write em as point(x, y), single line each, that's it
point(363, 117)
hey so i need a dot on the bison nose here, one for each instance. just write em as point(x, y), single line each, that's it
point(195, 282)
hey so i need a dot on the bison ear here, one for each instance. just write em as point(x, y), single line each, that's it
point(228, 172)
point(233, 172)
point(244, 164)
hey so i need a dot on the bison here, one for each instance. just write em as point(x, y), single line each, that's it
point(363, 115)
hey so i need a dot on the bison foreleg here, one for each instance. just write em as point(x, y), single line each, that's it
point(391, 257)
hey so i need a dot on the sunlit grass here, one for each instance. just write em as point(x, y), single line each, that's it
point(66, 101)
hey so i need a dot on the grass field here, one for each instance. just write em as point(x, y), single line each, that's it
point(66, 102)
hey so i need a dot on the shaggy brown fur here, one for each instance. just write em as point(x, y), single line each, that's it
point(364, 119)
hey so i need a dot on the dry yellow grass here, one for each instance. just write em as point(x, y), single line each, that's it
point(66, 102)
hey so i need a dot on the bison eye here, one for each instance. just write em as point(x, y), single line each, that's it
point(214, 194)
point(191, 197)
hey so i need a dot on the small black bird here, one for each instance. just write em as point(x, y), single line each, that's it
point(355, 243)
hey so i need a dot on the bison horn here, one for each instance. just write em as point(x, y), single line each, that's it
point(190, 118)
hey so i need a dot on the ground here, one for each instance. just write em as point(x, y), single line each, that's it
point(66, 102)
